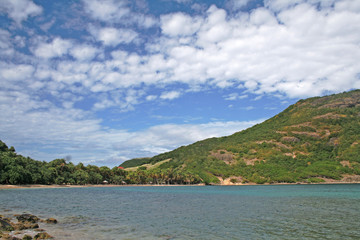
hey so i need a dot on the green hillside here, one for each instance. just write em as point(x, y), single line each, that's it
point(314, 140)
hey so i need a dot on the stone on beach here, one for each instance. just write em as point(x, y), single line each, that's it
point(27, 237)
point(27, 218)
point(5, 225)
point(43, 235)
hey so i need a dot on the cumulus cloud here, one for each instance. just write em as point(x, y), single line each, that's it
point(298, 52)
point(295, 52)
point(113, 36)
point(235, 5)
point(84, 52)
point(108, 10)
point(56, 48)
point(117, 11)
point(179, 24)
point(20, 10)
point(170, 95)
point(16, 72)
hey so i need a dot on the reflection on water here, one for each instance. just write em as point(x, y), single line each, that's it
point(207, 212)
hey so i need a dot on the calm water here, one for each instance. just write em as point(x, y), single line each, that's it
point(206, 212)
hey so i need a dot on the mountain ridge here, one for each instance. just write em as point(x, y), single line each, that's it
point(314, 140)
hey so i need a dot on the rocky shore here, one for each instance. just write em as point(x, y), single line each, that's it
point(24, 226)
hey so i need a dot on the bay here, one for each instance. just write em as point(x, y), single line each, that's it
point(194, 212)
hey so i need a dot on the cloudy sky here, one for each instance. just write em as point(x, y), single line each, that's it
point(100, 82)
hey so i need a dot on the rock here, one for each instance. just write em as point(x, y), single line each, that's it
point(9, 237)
point(27, 237)
point(27, 218)
point(43, 235)
point(18, 226)
point(5, 225)
point(26, 225)
point(51, 220)
point(5, 236)
point(31, 225)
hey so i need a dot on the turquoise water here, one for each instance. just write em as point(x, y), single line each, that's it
point(194, 212)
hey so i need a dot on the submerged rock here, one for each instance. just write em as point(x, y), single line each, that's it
point(50, 220)
point(12, 230)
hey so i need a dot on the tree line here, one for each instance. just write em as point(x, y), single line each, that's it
point(17, 169)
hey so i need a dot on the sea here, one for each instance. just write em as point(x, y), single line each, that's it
point(326, 211)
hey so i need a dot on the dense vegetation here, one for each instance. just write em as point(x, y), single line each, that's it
point(16, 169)
point(311, 141)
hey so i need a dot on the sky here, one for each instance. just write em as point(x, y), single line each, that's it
point(103, 81)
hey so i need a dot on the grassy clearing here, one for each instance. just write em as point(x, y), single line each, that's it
point(148, 166)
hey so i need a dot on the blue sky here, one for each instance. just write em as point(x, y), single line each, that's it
point(100, 82)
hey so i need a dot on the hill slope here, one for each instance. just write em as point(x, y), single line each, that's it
point(314, 140)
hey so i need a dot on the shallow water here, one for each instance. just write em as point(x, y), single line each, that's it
point(194, 212)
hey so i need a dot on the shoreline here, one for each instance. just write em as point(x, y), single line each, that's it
point(34, 186)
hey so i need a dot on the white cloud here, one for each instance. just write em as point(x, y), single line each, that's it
point(235, 5)
point(113, 36)
point(117, 11)
point(84, 52)
point(20, 10)
point(56, 48)
point(108, 10)
point(170, 95)
point(296, 52)
point(151, 97)
point(348, 5)
point(6, 48)
point(280, 5)
point(179, 24)
point(232, 96)
point(16, 72)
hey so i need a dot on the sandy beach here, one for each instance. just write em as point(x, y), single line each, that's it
point(2, 186)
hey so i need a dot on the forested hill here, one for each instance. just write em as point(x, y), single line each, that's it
point(314, 140)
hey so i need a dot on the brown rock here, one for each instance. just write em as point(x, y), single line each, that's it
point(5, 225)
point(31, 225)
point(43, 235)
point(27, 237)
point(27, 218)
point(18, 226)
point(51, 220)
point(9, 237)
